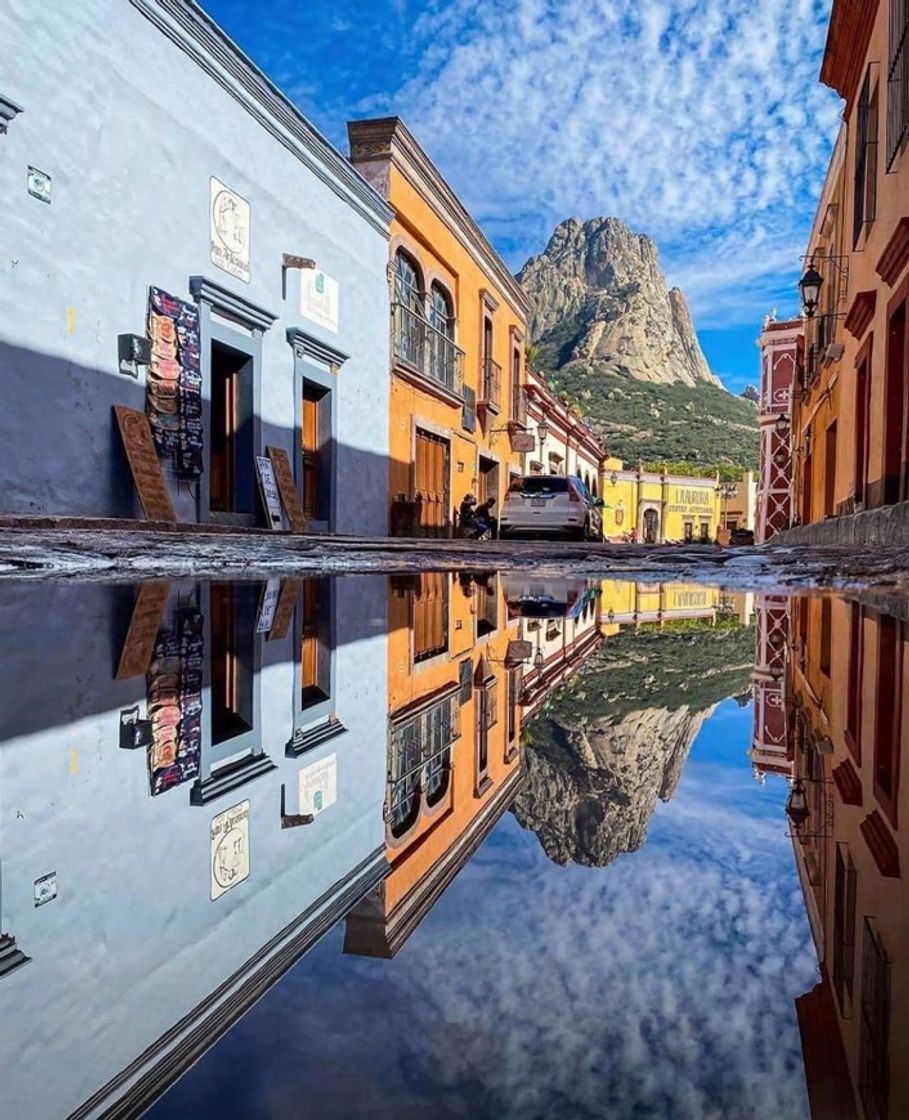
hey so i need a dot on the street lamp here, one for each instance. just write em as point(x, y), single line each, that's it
point(538, 659)
point(781, 427)
point(810, 288)
point(542, 432)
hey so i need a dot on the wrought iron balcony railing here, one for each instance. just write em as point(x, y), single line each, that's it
point(490, 394)
point(429, 351)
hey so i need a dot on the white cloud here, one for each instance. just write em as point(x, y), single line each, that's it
point(699, 122)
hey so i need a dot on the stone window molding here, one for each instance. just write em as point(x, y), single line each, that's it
point(231, 305)
point(306, 345)
point(9, 110)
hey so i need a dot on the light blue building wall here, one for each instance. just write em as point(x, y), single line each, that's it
point(129, 109)
point(134, 968)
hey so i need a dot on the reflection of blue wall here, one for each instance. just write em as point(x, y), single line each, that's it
point(130, 127)
point(133, 943)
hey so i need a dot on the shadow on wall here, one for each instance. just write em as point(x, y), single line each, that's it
point(62, 644)
point(61, 454)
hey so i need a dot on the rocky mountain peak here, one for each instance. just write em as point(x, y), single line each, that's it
point(600, 298)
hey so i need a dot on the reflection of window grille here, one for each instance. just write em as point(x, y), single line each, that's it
point(420, 760)
point(874, 1029)
point(844, 928)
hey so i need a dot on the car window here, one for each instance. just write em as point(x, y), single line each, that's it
point(540, 484)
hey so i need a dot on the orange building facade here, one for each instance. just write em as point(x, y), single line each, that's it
point(457, 335)
point(848, 709)
point(454, 730)
point(851, 398)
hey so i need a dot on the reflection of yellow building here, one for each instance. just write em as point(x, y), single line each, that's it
point(847, 692)
point(453, 744)
point(654, 507)
point(623, 604)
point(458, 324)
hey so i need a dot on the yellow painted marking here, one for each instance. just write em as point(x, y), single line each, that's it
point(74, 760)
point(70, 320)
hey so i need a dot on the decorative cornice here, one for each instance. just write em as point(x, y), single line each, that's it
point(848, 36)
point(389, 137)
point(136, 1087)
point(308, 346)
point(195, 33)
point(8, 110)
point(861, 313)
point(230, 777)
point(230, 303)
point(895, 256)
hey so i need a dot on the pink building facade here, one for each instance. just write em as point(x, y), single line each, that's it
point(781, 343)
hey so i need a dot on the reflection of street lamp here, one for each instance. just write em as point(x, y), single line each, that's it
point(797, 804)
point(538, 659)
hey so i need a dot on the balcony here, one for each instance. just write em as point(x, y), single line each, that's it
point(421, 348)
point(490, 394)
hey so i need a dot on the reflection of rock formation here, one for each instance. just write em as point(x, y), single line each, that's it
point(592, 787)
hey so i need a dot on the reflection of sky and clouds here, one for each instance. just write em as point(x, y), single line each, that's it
point(660, 986)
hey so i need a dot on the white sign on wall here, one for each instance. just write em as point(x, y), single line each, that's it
point(271, 496)
point(319, 786)
point(319, 296)
point(229, 849)
point(228, 229)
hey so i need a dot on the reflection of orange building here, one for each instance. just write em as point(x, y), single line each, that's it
point(454, 760)
point(847, 688)
point(458, 323)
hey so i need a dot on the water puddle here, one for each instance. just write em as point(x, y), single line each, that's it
point(449, 846)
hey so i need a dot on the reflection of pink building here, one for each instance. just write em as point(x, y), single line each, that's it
point(780, 343)
point(769, 748)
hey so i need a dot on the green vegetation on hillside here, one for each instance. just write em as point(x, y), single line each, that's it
point(686, 663)
point(693, 430)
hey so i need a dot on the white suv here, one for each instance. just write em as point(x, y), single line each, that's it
point(540, 504)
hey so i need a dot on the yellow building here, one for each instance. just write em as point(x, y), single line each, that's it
point(658, 508)
point(458, 325)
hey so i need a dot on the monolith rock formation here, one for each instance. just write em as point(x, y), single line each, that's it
point(600, 299)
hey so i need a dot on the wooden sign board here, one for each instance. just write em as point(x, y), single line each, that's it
point(284, 611)
point(144, 625)
point(268, 488)
point(293, 507)
point(135, 432)
point(268, 604)
point(523, 441)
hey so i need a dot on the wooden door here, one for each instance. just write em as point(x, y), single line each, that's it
point(310, 436)
point(431, 459)
point(430, 616)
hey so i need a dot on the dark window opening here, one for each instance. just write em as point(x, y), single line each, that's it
point(233, 623)
point(888, 714)
point(826, 642)
point(830, 471)
point(315, 643)
point(894, 405)
point(844, 928)
point(854, 694)
point(897, 79)
point(231, 485)
point(865, 180)
point(315, 439)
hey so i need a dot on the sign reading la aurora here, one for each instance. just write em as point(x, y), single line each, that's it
point(228, 230)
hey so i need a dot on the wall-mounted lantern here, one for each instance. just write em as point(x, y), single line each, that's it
point(810, 289)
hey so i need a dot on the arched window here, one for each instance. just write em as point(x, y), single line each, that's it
point(408, 313)
point(441, 312)
point(408, 283)
point(587, 480)
point(594, 491)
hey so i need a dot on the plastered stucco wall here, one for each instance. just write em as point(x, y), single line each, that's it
point(130, 128)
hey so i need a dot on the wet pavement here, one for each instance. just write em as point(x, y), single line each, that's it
point(451, 844)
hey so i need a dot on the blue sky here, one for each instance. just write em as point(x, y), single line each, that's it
point(698, 122)
point(661, 985)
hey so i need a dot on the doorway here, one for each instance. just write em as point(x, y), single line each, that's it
point(232, 491)
point(431, 467)
point(315, 453)
point(894, 404)
point(488, 483)
point(830, 471)
point(651, 526)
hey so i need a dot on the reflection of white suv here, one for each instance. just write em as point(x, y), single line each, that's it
point(549, 503)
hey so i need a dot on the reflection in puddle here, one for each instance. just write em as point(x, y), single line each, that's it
point(199, 782)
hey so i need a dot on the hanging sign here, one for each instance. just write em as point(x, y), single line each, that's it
point(319, 298)
point(268, 488)
point(143, 462)
point(284, 477)
point(523, 441)
point(268, 606)
point(319, 786)
point(229, 849)
point(228, 227)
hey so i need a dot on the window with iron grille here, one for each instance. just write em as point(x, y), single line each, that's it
point(844, 929)
point(897, 79)
point(419, 761)
point(874, 1029)
point(865, 182)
